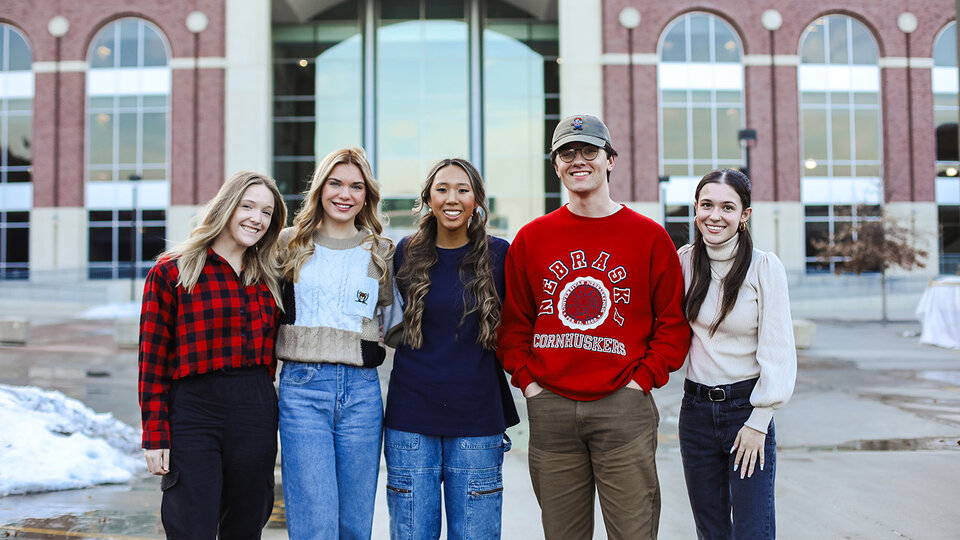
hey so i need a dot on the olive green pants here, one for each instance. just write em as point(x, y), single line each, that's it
point(608, 445)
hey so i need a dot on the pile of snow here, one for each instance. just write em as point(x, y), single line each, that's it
point(50, 442)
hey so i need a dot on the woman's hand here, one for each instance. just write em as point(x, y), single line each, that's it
point(158, 461)
point(532, 389)
point(634, 385)
point(749, 448)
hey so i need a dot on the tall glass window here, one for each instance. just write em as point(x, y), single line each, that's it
point(318, 94)
point(700, 83)
point(16, 134)
point(945, 113)
point(519, 117)
point(127, 151)
point(412, 99)
point(839, 83)
point(422, 83)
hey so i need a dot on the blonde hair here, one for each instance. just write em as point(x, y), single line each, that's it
point(259, 263)
point(476, 271)
point(299, 248)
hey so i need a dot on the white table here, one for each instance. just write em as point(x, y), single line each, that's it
point(939, 313)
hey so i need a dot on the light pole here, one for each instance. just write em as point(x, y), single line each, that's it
point(907, 23)
point(630, 19)
point(747, 138)
point(662, 183)
point(772, 21)
point(196, 22)
point(134, 236)
point(57, 27)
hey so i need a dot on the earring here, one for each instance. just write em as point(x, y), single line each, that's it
point(743, 226)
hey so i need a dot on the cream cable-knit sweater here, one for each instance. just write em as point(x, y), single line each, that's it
point(331, 316)
point(756, 337)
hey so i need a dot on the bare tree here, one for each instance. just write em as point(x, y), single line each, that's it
point(873, 246)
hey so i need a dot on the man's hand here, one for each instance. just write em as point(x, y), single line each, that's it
point(749, 449)
point(532, 389)
point(158, 461)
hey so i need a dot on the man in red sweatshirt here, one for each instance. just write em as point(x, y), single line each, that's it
point(592, 322)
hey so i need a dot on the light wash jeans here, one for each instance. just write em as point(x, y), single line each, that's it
point(468, 467)
point(330, 433)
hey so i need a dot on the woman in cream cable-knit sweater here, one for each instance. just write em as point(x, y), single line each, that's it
point(339, 269)
point(741, 367)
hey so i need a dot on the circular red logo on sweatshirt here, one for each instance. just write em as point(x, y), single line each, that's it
point(584, 303)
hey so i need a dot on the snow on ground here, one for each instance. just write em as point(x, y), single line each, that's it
point(122, 310)
point(50, 442)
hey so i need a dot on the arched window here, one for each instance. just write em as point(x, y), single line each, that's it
point(945, 113)
point(127, 150)
point(839, 83)
point(700, 83)
point(16, 135)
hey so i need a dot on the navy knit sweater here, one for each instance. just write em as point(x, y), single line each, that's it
point(451, 386)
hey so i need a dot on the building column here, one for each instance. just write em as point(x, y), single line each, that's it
point(248, 120)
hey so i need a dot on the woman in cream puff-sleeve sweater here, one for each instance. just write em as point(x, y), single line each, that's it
point(741, 366)
point(754, 341)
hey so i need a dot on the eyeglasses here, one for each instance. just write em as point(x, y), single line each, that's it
point(588, 151)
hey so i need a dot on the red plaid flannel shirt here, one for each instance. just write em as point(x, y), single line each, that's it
point(222, 324)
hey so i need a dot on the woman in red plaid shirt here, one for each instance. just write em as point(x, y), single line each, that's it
point(211, 306)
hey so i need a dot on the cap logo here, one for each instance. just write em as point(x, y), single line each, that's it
point(578, 124)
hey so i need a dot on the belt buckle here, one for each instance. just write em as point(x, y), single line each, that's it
point(717, 394)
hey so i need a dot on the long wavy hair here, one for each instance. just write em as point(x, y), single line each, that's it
point(259, 263)
point(299, 247)
point(700, 281)
point(476, 271)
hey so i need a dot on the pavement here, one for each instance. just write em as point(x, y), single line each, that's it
point(868, 448)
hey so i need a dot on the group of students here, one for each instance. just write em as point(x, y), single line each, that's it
point(587, 310)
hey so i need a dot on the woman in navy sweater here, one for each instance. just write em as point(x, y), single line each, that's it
point(449, 402)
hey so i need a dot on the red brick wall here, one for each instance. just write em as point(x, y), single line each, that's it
point(880, 16)
point(86, 19)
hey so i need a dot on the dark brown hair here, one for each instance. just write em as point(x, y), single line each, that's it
point(700, 261)
point(476, 271)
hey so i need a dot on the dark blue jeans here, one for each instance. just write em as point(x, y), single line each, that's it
point(724, 506)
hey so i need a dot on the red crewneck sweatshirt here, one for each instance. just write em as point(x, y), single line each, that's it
point(592, 303)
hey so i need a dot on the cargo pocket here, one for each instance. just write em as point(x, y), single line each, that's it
point(400, 505)
point(484, 507)
point(169, 480)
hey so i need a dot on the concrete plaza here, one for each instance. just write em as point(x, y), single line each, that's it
point(869, 447)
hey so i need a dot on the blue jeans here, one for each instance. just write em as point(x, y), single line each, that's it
point(724, 506)
point(330, 434)
point(469, 469)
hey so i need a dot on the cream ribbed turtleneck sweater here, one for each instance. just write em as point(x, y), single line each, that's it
point(756, 337)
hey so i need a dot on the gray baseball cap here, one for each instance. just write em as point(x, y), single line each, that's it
point(580, 128)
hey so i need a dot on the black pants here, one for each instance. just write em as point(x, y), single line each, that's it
point(223, 438)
